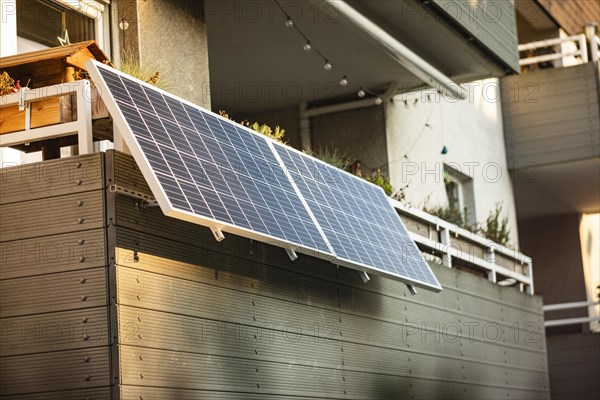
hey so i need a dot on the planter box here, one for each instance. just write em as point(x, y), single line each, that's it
point(43, 113)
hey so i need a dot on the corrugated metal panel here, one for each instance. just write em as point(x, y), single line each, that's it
point(51, 216)
point(50, 178)
point(72, 369)
point(56, 292)
point(493, 23)
point(552, 115)
point(54, 331)
point(51, 254)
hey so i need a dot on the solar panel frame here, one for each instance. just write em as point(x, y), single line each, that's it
point(171, 210)
point(410, 246)
point(153, 178)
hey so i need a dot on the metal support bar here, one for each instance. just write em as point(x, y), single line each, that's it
point(291, 253)
point(218, 234)
point(411, 289)
point(364, 276)
point(148, 199)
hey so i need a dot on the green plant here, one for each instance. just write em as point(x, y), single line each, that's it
point(332, 157)
point(451, 214)
point(496, 228)
point(149, 71)
point(264, 129)
point(377, 178)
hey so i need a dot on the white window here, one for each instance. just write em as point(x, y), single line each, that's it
point(459, 190)
point(30, 25)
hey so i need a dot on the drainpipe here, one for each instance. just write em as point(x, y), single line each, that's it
point(402, 54)
point(306, 113)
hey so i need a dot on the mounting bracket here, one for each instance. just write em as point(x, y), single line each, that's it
point(291, 253)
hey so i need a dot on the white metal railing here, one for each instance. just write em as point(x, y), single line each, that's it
point(450, 250)
point(82, 126)
point(570, 306)
point(558, 46)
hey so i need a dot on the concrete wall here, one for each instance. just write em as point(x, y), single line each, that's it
point(554, 244)
point(287, 118)
point(472, 130)
point(574, 366)
point(171, 35)
point(359, 134)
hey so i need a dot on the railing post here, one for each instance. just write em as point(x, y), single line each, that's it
point(490, 256)
point(583, 49)
point(84, 117)
point(530, 288)
point(445, 239)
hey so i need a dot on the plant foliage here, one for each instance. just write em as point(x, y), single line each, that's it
point(332, 157)
point(264, 129)
point(496, 227)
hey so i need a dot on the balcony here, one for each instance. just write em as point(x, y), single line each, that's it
point(439, 240)
point(552, 127)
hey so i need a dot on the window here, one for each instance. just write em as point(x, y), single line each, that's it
point(41, 22)
point(459, 190)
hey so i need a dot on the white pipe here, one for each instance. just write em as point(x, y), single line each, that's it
point(570, 321)
point(402, 54)
point(568, 306)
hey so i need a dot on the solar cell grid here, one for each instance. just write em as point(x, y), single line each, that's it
point(211, 171)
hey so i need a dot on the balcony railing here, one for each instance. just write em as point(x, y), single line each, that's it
point(570, 306)
point(574, 47)
point(459, 247)
point(25, 98)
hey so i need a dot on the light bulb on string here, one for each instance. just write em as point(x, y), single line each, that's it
point(344, 81)
point(327, 66)
point(361, 93)
point(307, 46)
point(289, 23)
point(378, 101)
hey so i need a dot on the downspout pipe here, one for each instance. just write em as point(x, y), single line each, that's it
point(402, 54)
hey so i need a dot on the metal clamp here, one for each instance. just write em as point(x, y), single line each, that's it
point(218, 234)
point(291, 253)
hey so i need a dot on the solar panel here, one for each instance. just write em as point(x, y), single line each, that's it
point(363, 228)
point(206, 169)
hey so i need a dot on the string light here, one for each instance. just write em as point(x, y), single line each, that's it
point(327, 66)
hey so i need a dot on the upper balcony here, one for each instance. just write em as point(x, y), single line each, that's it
point(552, 126)
point(459, 41)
